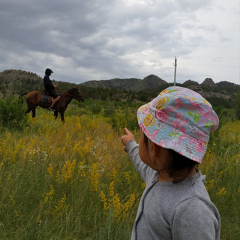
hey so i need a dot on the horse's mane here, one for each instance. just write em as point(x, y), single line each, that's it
point(73, 90)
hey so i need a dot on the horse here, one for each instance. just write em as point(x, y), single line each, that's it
point(36, 98)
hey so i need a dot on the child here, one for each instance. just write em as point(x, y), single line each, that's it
point(175, 129)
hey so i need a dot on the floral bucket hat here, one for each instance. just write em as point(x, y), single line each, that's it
point(179, 119)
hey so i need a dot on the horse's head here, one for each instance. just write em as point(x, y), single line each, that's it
point(75, 92)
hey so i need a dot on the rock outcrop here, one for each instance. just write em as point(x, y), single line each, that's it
point(208, 82)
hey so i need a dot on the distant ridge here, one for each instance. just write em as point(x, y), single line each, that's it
point(152, 82)
point(18, 81)
point(226, 84)
point(128, 84)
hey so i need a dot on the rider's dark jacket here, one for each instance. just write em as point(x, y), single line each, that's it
point(49, 87)
point(48, 84)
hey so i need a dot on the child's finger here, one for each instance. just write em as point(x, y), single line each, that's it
point(127, 131)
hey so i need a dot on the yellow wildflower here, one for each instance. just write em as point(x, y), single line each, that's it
point(1, 164)
point(104, 200)
point(128, 205)
point(222, 191)
point(50, 170)
point(220, 174)
point(210, 184)
point(116, 206)
point(111, 189)
point(61, 207)
point(67, 171)
point(12, 199)
point(49, 195)
point(114, 174)
point(58, 176)
point(81, 171)
point(127, 177)
point(78, 126)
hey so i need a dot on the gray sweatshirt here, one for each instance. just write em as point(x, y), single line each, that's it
point(173, 211)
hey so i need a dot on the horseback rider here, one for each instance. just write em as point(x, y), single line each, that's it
point(50, 88)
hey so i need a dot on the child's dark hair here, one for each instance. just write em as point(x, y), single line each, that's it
point(179, 167)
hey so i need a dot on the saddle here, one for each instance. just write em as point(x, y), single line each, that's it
point(45, 97)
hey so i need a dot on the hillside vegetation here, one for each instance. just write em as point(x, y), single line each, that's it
point(18, 81)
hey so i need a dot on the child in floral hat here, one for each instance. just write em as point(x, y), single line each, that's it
point(175, 129)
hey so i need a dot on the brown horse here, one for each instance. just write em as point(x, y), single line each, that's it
point(35, 99)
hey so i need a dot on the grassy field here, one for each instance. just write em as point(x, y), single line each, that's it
point(74, 181)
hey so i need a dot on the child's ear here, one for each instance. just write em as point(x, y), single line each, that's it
point(154, 149)
point(158, 152)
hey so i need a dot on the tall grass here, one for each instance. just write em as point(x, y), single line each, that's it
point(222, 167)
point(64, 181)
point(74, 180)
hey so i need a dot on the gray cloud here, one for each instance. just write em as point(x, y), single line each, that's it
point(85, 40)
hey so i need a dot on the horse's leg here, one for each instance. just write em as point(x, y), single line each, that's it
point(31, 109)
point(56, 115)
point(28, 110)
point(62, 116)
point(33, 112)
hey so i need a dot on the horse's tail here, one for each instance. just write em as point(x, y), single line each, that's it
point(21, 96)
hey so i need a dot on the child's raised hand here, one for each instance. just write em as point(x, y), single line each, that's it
point(127, 137)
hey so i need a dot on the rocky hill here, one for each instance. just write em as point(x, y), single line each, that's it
point(18, 81)
point(152, 82)
point(128, 84)
point(209, 83)
point(208, 89)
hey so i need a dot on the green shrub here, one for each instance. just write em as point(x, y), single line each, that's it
point(12, 113)
point(237, 105)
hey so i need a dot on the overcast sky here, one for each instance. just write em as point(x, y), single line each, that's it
point(82, 40)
